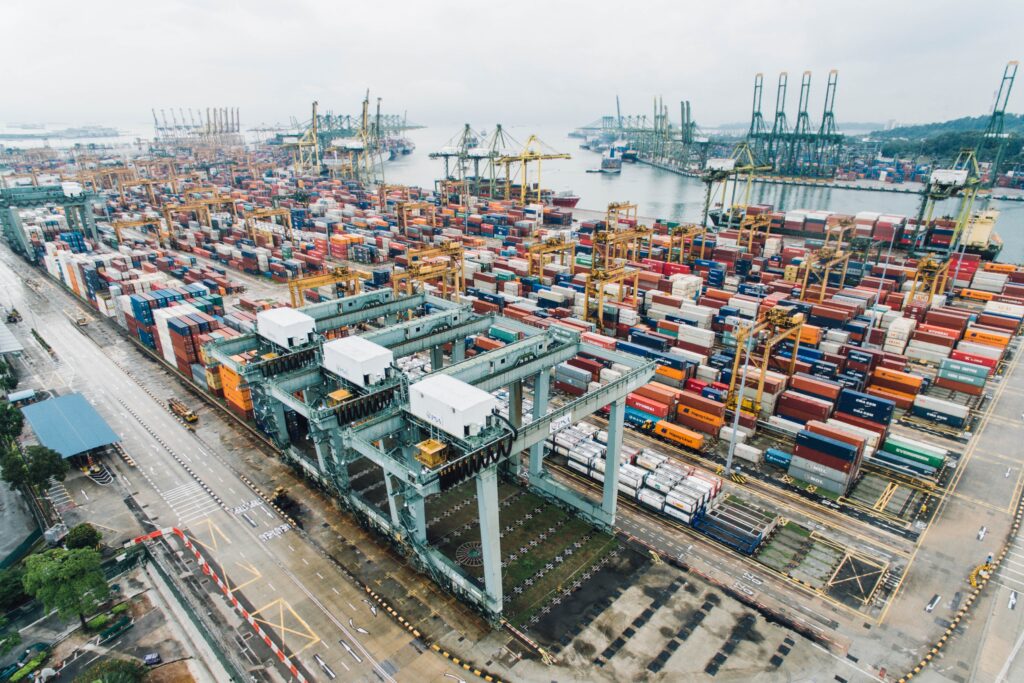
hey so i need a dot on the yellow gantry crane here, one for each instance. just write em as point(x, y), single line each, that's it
point(777, 325)
point(613, 247)
point(930, 279)
point(407, 210)
point(538, 254)
point(306, 147)
point(718, 172)
point(826, 260)
point(532, 153)
point(681, 243)
point(253, 220)
point(119, 225)
point(349, 279)
point(443, 265)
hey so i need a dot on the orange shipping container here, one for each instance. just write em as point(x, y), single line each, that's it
point(902, 400)
point(987, 338)
point(901, 377)
point(809, 334)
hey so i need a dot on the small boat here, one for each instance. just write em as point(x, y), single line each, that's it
point(610, 163)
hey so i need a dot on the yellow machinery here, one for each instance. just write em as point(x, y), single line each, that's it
point(349, 278)
point(612, 248)
point(537, 254)
point(962, 179)
point(448, 187)
point(119, 225)
point(718, 172)
point(777, 325)
point(822, 264)
point(107, 178)
point(752, 226)
point(431, 453)
point(383, 190)
point(442, 264)
point(930, 280)
point(199, 208)
point(681, 243)
point(532, 153)
point(406, 210)
point(306, 148)
point(257, 216)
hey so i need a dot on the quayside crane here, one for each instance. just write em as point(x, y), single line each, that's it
point(718, 172)
point(534, 152)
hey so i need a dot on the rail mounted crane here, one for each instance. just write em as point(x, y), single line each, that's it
point(962, 179)
point(538, 254)
point(777, 325)
point(255, 221)
point(119, 225)
point(349, 279)
point(409, 210)
point(930, 279)
point(443, 264)
point(613, 247)
point(682, 243)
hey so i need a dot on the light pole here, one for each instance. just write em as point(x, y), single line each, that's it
point(739, 402)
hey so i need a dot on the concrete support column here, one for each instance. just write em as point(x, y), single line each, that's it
point(458, 350)
point(613, 458)
point(541, 390)
point(340, 467)
point(436, 358)
point(89, 222)
point(393, 507)
point(490, 536)
point(280, 424)
point(417, 508)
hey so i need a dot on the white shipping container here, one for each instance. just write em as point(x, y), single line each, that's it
point(651, 499)
point(946, 407)
point(678, 514)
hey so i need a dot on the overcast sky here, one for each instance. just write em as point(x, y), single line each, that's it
point(448, 61)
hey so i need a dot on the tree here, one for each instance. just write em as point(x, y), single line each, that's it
point(69, 581)
point(83, 536)
point(8, 639)
point(114, 671)
point(15, 472)
point(12, 592)
point(44, 463)
point(11, 421)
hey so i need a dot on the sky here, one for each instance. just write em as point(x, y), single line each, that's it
point(445, 62)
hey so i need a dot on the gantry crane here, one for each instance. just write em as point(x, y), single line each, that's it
point(717, 172)
point(930, 279)
point(994, 130)
point(384, 189)
point(532, 153)
point(777, 325)
point(537, 255)
point(681, 243)
point(349, 279)
point(962, 179)
point(257, 216)
point(306, 155)
point(443, 264)
point(613, 247)
point(119, 225)
point(405, 210)
point(752, 226)
point(821, 264)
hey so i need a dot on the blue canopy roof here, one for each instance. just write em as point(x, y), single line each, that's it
point(69, 425)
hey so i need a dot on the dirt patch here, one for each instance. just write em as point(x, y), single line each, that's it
point(584, 648)
point(176, 672)
point(140, 606)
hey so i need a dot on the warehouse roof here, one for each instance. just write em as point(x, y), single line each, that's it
point(8, 342)
point(69, 425)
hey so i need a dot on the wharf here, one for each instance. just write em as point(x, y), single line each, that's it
point(1006, 196)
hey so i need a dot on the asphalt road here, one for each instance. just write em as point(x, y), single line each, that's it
point(298, 596)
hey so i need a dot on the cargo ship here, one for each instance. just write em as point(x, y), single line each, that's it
point(979, 236)
point(567, 199)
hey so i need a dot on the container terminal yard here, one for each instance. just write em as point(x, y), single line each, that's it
point(469, 431)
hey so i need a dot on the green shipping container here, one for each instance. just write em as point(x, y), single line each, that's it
point(964, 368)
point(913, 455)
point(960, 377)
point(504, 335)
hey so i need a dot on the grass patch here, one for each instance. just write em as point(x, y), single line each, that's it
point(524, 606)
point(98, 622)
point(31, 666)
point(120, 608)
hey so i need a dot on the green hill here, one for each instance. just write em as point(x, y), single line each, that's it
point(943, 140)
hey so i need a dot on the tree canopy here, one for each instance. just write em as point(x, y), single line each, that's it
point(11, 421)
point(15, 471)
point(84, 535)
point(44, 463)
point(69, 581)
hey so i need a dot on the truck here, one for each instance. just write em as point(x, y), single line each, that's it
point(179, 408)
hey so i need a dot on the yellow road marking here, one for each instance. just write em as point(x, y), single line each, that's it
point(215, 533)
point(253, 572)
point(284, 610)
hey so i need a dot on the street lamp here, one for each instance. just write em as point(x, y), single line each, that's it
point(739, 401)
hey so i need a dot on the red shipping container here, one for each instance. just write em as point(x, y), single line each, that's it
point(965, 357)
point(856, 421)
point(959, 386)
point(705, 405)
point(819, 387)
point(829, 461)
point(647, 405)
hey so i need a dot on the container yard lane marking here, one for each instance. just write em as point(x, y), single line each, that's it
point(961, 467)
point(277, 613)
